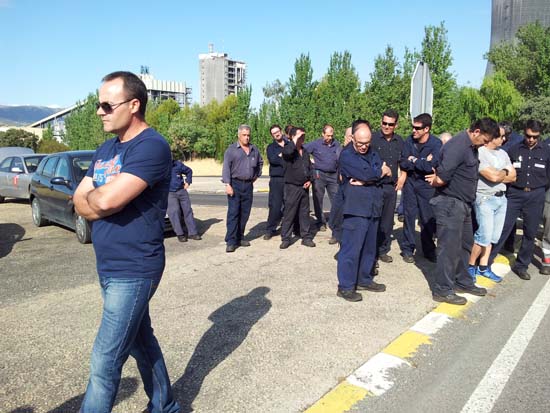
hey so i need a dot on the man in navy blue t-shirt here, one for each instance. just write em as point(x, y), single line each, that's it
point(124, 195)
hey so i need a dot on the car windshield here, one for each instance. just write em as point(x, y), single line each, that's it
point(81, 165)
point(32, 162)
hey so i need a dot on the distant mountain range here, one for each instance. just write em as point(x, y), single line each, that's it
point(24, 115)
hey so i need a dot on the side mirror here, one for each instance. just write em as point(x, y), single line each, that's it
point(58, 180)
point(16, 170)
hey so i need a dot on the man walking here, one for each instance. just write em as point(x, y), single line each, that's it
point(419, 157)
point(361, 170)
point(389, 146)
point(456, 179)
point(325, 152)
point(242, 165)
point(124, 195)
point(276, 181)
point(179, 202)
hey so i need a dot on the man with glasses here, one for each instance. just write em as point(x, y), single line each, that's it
point(455, 180)
point(124, 195)
point(531, 159)
point(242, 165)
point(325, 152)
point(495, 171)
point(362, 170)
point(389, 146)
point(276, 180)
point(419, 157)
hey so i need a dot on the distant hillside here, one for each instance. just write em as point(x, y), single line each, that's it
point(24, 115)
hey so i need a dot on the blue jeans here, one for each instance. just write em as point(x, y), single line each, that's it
point(125, 330)
point(490, 214)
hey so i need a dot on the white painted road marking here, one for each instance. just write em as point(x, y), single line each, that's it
point(490, 387)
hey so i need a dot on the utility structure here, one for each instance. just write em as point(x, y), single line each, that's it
point(508, 16)
point(220, 76)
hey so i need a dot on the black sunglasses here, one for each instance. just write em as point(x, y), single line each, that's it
point(418, 127)
point(107, 107)
point(527, 136)
point(388, 123)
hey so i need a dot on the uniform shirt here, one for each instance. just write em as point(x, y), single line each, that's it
point(421, 151)
point(130, 242)
point(497, 159)
point(297, 168)
point(276, 166)
point(324, 154)
point(238, 165)
point(176, 178)
point(361, 200)
point(532, 165)
point(458, 168)
point(390, 152)
point(512, 140)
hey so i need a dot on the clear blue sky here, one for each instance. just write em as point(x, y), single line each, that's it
point(54, 52)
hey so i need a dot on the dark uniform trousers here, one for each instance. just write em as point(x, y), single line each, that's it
point(178, 203)
point(238, 210)
point(455, 238)
point(530, 206)
point(275, 203)
point(385, 228)
point(416, 203)
point(357, 251)
point(323, 181)
point(336, 216)
point(296, 204)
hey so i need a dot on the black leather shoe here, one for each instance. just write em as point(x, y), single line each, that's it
point(385, 258)
point(196, 237)
point(244, 243)
point(322, 227)
point(230, 248)
point(349, 295)
point(374, 287)
point(332, 241)
point(450, 299)
point(545, 270)
point(267, 236)
point(401, 218)
point(475, 290)
point(409, 259)
point(182, 238)
point(523, 274)
point(284, 245)
point(308, 243)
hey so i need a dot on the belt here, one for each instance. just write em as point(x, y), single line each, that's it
point(499, 193)
point(524, 189)
point(241, 180)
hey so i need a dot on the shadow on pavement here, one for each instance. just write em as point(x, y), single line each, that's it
point(128, 386)
point(10, 234)
point(204, 226)
point(232, 323)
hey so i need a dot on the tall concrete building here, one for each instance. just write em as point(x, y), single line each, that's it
point(509, 15)
point(220, 76)
point(165, 89)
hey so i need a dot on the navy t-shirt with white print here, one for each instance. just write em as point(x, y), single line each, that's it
point(130, 243)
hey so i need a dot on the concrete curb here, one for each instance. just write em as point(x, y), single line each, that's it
point(373, 378)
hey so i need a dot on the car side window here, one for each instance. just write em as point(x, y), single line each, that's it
point(62, 169)
point(49, 167)
point(18, 163)
point(5, 165)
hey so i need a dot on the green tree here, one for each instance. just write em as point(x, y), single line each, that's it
point(503, 100)
point(83, 127)
point(48, 144)
point(526, 61)
point(160, 116)
point(19, 137)
point(536, 107)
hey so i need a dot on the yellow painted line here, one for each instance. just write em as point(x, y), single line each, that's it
point(263, 190)
point(501, 259)
point(406, 345)
point(454, 311)
point(485, 282)
point(340, 399)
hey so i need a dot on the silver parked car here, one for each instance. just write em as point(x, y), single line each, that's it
point(15, 175)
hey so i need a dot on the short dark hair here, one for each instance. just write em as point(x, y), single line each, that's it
point(391, 113)
point(134, 88)
point(425, 119)
point(357, 123)
point(275, 126)
point(328, 125)
point(507, 126)
point(486, 126)
point(534, 125)
point(288, 128)
point(294, 130)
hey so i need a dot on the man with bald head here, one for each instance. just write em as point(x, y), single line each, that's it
point(361, 169)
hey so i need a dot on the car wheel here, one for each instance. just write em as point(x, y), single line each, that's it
point(82, 229)
point(37, 217)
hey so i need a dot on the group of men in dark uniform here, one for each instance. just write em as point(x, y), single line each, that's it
point(362, 178)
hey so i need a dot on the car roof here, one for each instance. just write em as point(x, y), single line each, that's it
point(73, 153)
